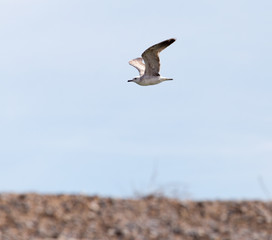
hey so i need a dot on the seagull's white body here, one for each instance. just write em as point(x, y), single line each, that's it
point(149, 71)
point(150, 80)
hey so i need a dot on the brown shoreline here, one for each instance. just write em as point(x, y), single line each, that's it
point(34, 216)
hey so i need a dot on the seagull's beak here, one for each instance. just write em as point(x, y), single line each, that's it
point(130, 80)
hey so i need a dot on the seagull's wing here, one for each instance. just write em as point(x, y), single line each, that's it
point(138, 63)
point(151, 57)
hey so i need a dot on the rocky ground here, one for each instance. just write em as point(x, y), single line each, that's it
point(33, 216)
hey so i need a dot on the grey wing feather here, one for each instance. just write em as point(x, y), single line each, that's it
point(138, 63)
point(151, 57)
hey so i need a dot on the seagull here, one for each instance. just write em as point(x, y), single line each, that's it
point(149, 71)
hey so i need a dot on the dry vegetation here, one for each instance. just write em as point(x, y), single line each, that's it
point(33, 216)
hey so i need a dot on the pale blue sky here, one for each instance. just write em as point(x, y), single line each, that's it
point(70, 122)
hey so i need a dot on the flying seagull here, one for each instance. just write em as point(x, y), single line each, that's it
point(149, 71)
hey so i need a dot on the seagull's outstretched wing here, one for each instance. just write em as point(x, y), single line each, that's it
point(151, 57)
point(138, 63)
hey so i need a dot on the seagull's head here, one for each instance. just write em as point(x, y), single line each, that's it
point(136, 80)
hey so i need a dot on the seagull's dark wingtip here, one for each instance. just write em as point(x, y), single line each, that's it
point(172, 40)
